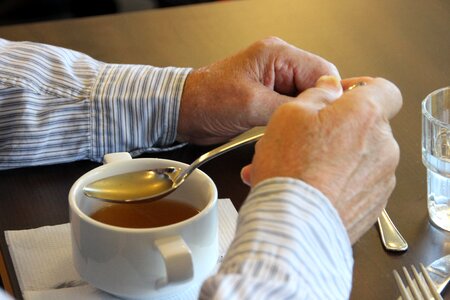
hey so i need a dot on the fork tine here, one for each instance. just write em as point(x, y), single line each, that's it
point(420, 282)
point(412, 285)
point(430, 283)
point(401, 286)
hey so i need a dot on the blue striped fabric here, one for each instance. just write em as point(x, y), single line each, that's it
point(59, 105)
point(290, 244)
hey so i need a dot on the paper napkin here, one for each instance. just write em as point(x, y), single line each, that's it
point(42, 259)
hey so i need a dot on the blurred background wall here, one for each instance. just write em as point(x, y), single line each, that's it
point(24, 11)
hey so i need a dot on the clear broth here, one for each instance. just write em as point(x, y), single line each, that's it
point(146, 214)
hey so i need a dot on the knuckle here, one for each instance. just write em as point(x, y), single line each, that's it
point(266, 42)
point(391, 91)
point(370, 109)
point(289, 107)
point(249, 100)
point(290, 112)
point(269, 42)
point(394, 154)
point(330, 68)
point(388, 151)
point(272, 40)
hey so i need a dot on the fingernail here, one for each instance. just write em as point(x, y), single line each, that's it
point(329, 82)
point(242, 174)
point(244, 180)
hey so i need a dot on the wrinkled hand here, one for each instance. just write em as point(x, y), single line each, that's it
point(223, 99)
point(342, 147)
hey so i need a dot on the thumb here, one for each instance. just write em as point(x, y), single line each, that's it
point(326, 90)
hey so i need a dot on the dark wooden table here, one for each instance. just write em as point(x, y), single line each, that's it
point(405, 41)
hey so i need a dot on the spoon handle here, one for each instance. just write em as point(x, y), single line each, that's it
point(248, 136)
point(390, 236)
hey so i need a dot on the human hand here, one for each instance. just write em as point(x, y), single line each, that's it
point(342, 147)
point(223, 99)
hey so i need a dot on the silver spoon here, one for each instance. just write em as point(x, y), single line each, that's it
point(157, 183)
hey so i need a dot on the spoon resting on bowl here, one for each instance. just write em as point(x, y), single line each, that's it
point(155, 184)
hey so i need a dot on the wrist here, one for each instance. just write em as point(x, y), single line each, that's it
point(190, 106)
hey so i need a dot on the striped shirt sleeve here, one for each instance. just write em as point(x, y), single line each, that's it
point(290, 244)
point(59, 105)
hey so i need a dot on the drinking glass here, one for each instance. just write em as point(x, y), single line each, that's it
point(436, 155)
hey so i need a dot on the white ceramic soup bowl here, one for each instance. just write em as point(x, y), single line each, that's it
point(149, 262)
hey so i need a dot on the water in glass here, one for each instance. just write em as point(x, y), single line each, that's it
point(436, 155)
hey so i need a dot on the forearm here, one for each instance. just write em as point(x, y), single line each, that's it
point(59, 105)
point(289, 242)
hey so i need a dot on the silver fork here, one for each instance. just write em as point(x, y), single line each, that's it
point(421, 287)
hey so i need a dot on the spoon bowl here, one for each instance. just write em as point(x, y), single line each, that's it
point(134, 186)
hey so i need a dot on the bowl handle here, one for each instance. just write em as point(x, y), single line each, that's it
point(116, 156)
point(177, 259)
